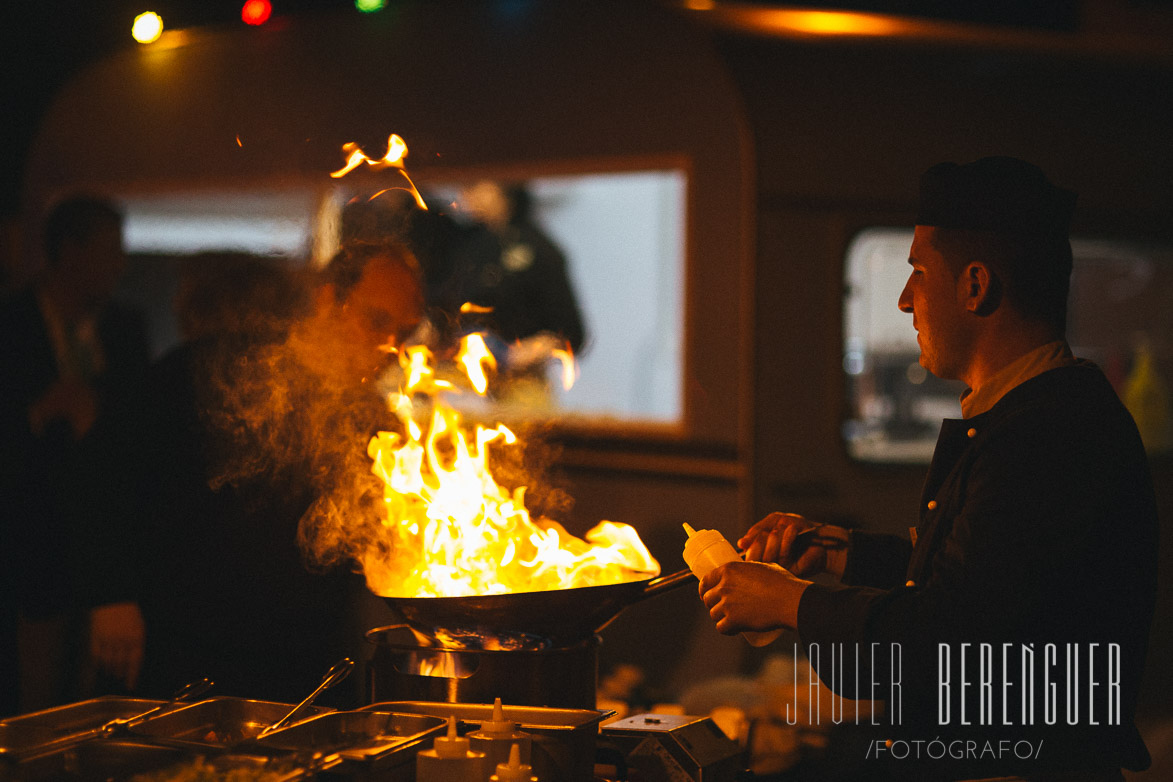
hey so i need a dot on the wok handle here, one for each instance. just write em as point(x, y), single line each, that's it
point(667, 583)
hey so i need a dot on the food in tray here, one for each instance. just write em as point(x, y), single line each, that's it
point(222, 769)
point(229, 736)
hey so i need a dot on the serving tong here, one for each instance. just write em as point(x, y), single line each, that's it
point(184, 694)
point(337, 673)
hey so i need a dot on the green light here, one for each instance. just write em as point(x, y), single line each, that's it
point(370, 6)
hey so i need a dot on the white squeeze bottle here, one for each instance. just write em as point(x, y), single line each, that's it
point(704, 550)
point(497, 736)
point(514, 770)
point(450, 760)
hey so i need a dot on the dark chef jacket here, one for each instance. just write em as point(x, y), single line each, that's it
point(1037, 526)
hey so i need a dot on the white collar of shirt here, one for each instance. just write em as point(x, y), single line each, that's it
point(975, 401)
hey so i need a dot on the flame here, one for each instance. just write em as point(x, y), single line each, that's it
point(474, 355)
point(449, 529)
point(569, 366)
point(396, 152)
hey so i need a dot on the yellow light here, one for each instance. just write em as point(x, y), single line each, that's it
point(147, 27)
point(700, 5)
point(839, 23)
point(816, 22)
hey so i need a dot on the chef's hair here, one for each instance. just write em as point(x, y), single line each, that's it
point(1032, 272)
point(76, 219)
point(346, 267)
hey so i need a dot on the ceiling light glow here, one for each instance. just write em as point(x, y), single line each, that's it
point(147, 27)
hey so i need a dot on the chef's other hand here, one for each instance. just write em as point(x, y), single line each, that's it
point(776, 539)
point(744, 596)
point(117, 637)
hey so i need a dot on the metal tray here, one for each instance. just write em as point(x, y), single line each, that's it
point(217, 722)
point(40, 731)
point(563, 739)
point(19, 740)
point(96, 760)
point(361, 736)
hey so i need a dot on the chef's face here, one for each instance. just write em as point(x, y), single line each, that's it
point(934, 295)
point(380, 311)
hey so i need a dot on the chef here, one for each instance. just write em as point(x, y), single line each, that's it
point(1032, 562)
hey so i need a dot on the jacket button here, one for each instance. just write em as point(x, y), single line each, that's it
point(972, 433)
point(910, 583)
point(932, 505)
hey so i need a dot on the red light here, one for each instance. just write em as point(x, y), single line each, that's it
point(256, 11)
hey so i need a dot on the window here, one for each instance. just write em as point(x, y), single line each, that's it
point(1119, 316)
point(621, 233)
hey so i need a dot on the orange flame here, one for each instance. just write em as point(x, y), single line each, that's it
point(475, 356)
point(396, 152)
point(450, 529)
point(569, 366)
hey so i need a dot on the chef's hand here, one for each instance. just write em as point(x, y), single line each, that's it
point(752, 596)
point(775, 539)
point(535, 349)
point(117, 637)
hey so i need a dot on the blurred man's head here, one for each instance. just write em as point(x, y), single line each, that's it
point(236, 293)
point(369, 299)
point(83, 249)
point(488, 203)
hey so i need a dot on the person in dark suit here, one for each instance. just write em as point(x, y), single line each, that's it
point(520, 281)
point(68, 352)
point(249, 434)
point(1033, 559)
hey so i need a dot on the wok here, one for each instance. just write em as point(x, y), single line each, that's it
point(563, 616)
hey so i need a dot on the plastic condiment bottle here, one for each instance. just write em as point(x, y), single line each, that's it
point(514, 770)
point(497, 736)
point(704, 550)
point(450, 760)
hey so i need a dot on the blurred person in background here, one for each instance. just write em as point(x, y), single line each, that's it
point(68, 352)
point(226, 303)
point(244, 434)
point(519, 280)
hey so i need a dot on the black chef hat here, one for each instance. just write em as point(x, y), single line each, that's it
point(997, 194)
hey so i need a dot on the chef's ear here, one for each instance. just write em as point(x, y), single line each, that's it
point(982, 288)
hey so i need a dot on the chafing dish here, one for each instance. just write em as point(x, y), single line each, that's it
point(41, 731)
point(375, 738)
point(217, 722)
point(96, 760)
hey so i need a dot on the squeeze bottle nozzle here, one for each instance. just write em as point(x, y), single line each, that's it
point(451, 745)
point(704, 550)
point(497, 735)
point(450, 759)
point(514, 770)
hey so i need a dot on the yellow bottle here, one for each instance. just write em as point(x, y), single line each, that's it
point(704, 550)
point(1147, 398)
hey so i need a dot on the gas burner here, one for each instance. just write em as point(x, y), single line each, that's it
point(520, 668)
point(498, 641)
